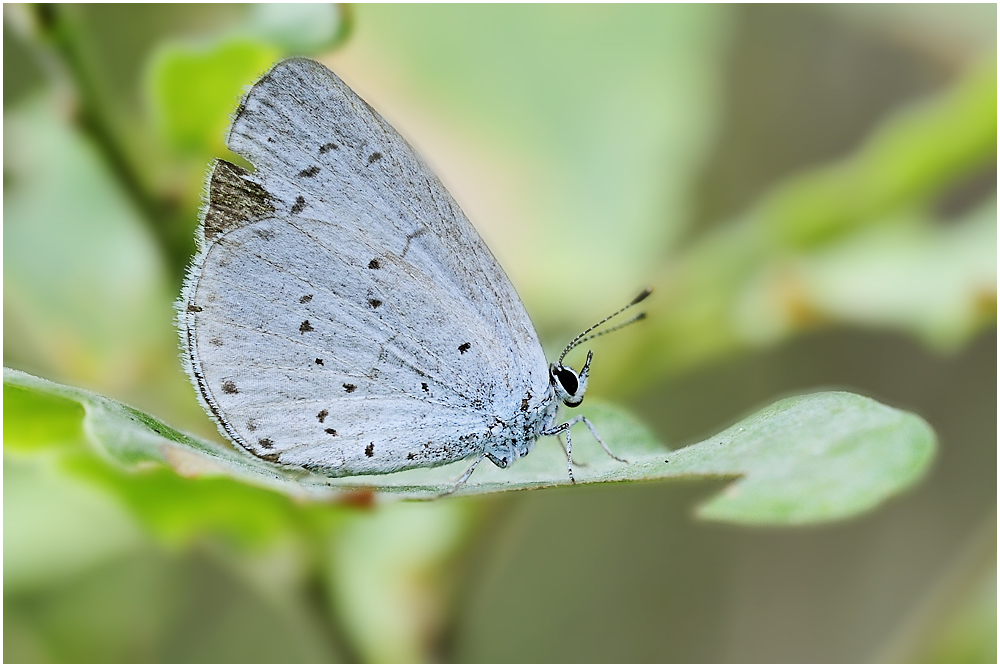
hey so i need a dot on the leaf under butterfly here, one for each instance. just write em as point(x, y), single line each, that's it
point(805, 459)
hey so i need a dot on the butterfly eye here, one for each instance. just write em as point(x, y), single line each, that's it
point(569, 386)
point(567, 378)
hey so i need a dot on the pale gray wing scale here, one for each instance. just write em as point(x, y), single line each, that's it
point(286, 370)
point(352, 160)
point(342, 247)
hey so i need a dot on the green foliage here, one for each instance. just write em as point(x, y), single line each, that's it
point(195, 91)
point(575, 138)
point(806, 459)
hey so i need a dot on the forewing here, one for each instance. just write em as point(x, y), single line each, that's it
point(343, 313)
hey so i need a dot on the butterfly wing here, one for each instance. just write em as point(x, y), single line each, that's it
point(343, 314)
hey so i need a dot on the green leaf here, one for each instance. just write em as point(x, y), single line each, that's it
point(298, 29)
point(701, 310)
point(194, 89)
point(935, 281)
point(810, 458)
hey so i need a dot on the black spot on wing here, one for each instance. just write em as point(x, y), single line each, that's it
point(193, 308)
point(310, 172)
point(322, 415)
point(217, 342)
point(374, 264)
point(266, 443)
point(374, 303)
point(374, 157)
point(305, 326)
point(464, 347)
point(348, 387)
point(300, 203)
point(370, 450)
point(331, 431)
point(306, 299)
point(229, 387)
point(327, 147)
point(319, 362)
point(423, 385)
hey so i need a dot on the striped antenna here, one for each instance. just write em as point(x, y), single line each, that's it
point(583, 337)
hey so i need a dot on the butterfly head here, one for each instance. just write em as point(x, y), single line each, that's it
point(568, 385)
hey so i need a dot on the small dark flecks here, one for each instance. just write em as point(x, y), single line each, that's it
point(370, 450)
point(331, 431)
point(306, 299)
point(305, 326)
point(374, 157)
point(300, 203)
point(319, 362)
point(311, 171)
point(374, 303)
point(524, 405)
point(193, 308)
point(322, 415)
point(411, 456)
point(464, 347)
point(667, 461)
point(266, 443)
point(374, 264)
point(423, 385)
point(348, 387)
point(230, 387)
point(217, 342)
point(271, 458)
point(327, 147)
point(251, 424)
point(265, 234)
point(270, 140)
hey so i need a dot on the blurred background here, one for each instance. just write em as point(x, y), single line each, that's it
point(811, 189)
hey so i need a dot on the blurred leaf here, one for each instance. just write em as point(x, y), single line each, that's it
point(85, 294)
point(161, 607)
point(194, 90)
point(696, 315)
point(937, 282)
point(970, 635)
point(570, 134)
point(298, 29)
point(194, 86)
point(391, 575)
point(55, 526)
point(916, 153)
point(811, 458)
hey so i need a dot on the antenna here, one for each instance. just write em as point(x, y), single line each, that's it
point(583, 337)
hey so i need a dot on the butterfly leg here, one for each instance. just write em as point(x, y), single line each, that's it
point(464, 478)
point(593, 432)
point(562, 444)
point(558, 431)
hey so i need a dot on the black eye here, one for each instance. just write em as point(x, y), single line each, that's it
point(567, 379)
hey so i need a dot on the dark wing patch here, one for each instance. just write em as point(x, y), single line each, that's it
point(233, 200)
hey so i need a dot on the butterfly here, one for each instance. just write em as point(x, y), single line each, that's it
point(343, 316)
